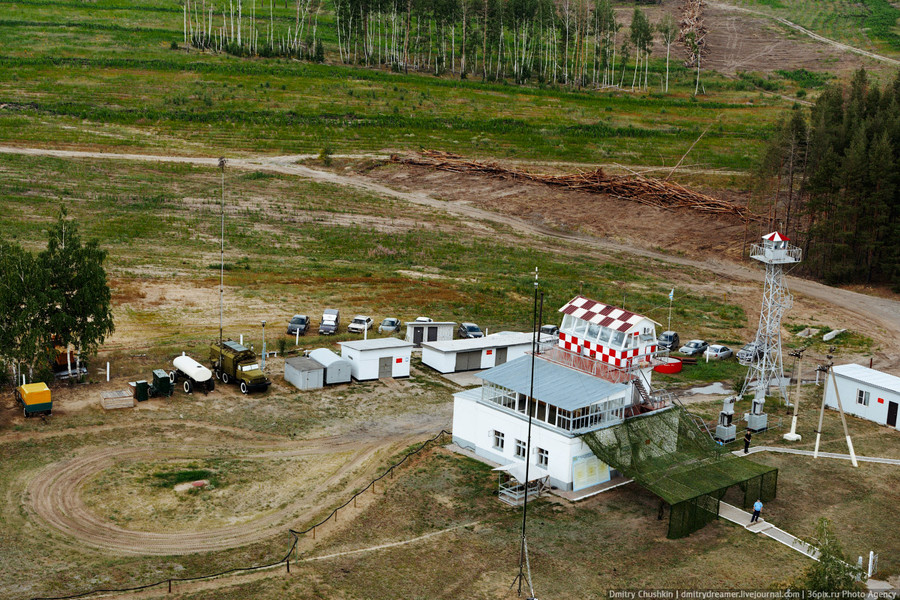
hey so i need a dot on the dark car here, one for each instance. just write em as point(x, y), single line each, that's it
point(469, 330)
point(694, 347)
point(549, 329)
point(668, 340)
point(299, 323)
point(751, 352)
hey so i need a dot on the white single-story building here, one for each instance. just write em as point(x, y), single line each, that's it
point(377, 358)
point(866, 393)
point(492, 421)
point(304, 373)
point(433, 331)
point(478, 353)
point(337, 370)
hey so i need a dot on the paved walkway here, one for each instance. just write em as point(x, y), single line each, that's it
point(742, 518)
point(874, 459)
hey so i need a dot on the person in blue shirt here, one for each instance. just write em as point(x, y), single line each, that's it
point(757, 507)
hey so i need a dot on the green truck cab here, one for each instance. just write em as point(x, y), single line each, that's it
point(233, 362)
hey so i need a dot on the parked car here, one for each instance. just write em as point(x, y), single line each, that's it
point(749, 353)
point(668, 340)
point(718, 352)
point(469, 330)
point(331, 320)
point(550, 329)
point(424, 320)
point(694, 347)
point(360, 323)
point(390, 325)
point(299, 323)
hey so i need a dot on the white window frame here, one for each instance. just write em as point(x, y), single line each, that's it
point(499, 440)
point(862, 397)
point(521, 449)
point(543, 458)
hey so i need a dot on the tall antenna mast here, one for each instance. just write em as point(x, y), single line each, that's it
point(222, 262)
point(523, 552)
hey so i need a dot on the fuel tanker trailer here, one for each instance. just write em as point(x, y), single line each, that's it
point(194, 375)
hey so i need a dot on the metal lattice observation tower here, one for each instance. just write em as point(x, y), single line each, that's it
point(767, 365)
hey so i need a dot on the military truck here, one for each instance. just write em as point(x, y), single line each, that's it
point(233, 362)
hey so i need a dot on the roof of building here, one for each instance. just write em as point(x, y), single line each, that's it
point(326, 357)
point(554, 384)
point(302, 363)
point(495, 340)
point(376, 344)
point(426, 323)
point(869, 376)
point(602, 314)
point(776, 237)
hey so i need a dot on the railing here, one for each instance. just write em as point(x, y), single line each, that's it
point(588, 365)
point(790, 254)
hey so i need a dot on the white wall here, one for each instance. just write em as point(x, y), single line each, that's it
point(847, 388)
point(442, 362)
point(364, 363)
point(445, 362)
point(474, 424)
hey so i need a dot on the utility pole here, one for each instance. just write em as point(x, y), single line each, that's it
point(222, 266)
point(793, 436)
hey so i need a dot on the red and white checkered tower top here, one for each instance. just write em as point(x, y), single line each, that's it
point(606, 333)
point(775, 250)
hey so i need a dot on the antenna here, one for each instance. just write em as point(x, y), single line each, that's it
point(523, 552)
point(793, 436)
point(222, 263)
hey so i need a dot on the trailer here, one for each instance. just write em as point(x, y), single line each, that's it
point(193, 374)
point(35, 399)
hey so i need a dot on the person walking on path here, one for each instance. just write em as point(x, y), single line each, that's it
point(747, 437)
point(757, 507)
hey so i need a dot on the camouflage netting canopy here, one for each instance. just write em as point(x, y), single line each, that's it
point(668, 454)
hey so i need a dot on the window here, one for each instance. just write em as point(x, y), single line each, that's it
point(605, 333)
point(592, 332)
point(580, 328)
point(543, 458)
point(862, 397)
point(618, 338)
point(498, 440)
point(520, 449)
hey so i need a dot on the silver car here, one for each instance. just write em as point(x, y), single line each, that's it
point(718, 352)
point(389, 325)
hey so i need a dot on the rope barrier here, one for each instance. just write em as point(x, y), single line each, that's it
point(286, 560)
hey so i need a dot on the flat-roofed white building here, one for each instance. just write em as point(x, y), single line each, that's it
point(866, 393)
point(478, 353)
point(377, 358)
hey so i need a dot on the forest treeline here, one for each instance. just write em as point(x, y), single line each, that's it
point(834, 174)
point(569, 42)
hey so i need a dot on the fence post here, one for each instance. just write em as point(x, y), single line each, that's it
point(170, 586)
point(287, 563)
point(314, 533)
point(392, 472)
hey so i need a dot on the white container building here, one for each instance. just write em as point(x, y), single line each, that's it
point(866, 393)
point(478, 353)
point(377, 358)
point(304, 373)
point(434, 331)
point(337, 370)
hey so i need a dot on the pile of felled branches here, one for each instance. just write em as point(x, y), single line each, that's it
point(653, 192)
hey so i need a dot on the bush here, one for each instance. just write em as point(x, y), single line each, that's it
point(325, 156)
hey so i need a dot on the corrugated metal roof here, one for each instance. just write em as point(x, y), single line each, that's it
point(326, 357)
point(301, 363)
point(377, 344)
point(495, 340)
point(555, 384)
point(869, 376)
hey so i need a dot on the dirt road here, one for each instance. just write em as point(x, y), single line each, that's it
point(882, 313)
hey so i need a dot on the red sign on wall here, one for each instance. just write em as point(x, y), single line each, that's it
point(399, 360)
point(489, 352)
point(881, 401)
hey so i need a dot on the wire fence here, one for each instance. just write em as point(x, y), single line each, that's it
point(286, 560)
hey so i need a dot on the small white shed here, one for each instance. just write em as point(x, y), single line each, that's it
point(377, 358)
point(304, 373)
point(337, 370)
point(866, 393)
point(477, 353)
point(435, 331)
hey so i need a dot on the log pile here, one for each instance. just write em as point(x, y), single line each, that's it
point(645, 190)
